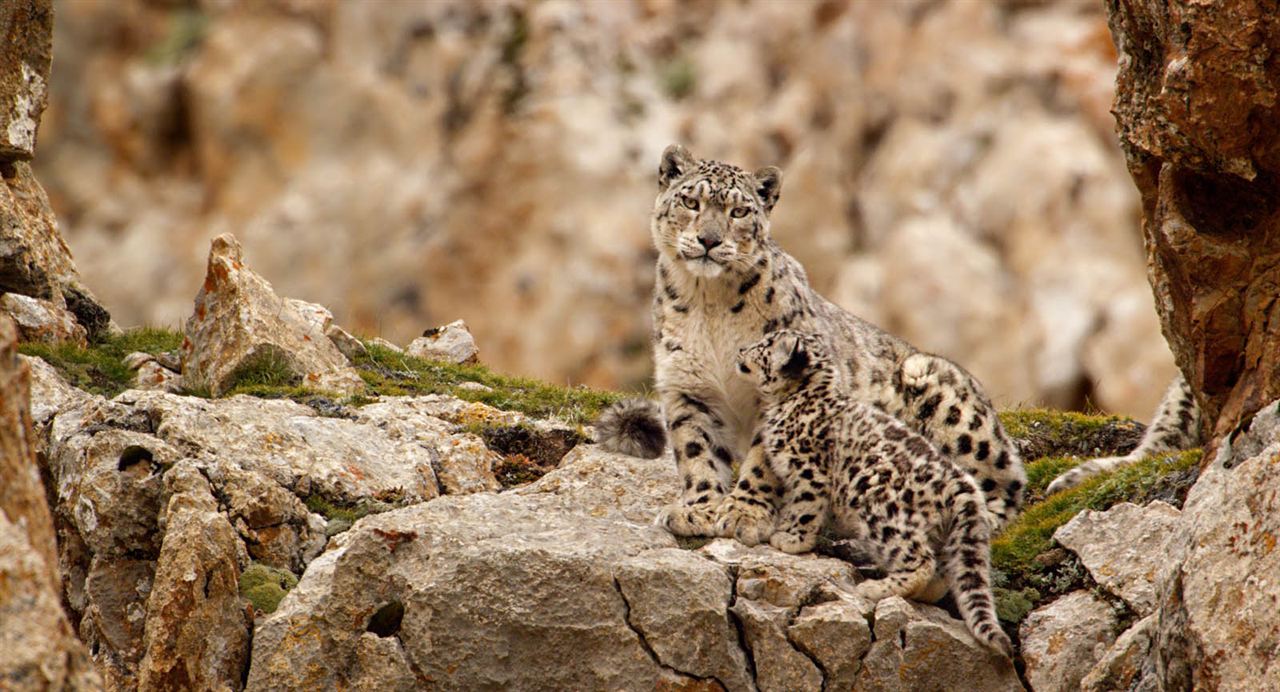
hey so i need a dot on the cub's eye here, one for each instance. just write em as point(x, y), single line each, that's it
point(738, 212)
point(689, 202)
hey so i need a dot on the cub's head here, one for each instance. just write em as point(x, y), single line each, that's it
point(712, 218)
point(782, 360)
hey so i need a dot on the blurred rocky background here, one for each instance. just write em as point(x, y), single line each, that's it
point(952, 171)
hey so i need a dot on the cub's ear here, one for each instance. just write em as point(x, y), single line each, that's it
point(676, 161)
point(768, 186)
point(797, 360)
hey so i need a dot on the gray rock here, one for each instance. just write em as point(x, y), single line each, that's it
point(49, 392)
point(1123, 548)
point(921, 647)
point(1122, 664)
point(1062, 641)
point(42, 320)
point(197, 629)
point(451, 343)
point(24, 77)
point(240, 323)
point(350, 346)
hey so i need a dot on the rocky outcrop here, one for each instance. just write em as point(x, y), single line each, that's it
point(39, 285)
point(505, 153)
point(1201, 580)
point(241, 330)
point(1062, 641)
point(567, 584)
point(38, 647)
point(1197, 103)
point(452, 343)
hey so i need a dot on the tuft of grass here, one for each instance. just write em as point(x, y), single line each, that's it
point(1015, 550)
point(348, 512)
point(100, 368)
point(265, 586)
point(388, 373)
point(268, 367)
point(1043, 433)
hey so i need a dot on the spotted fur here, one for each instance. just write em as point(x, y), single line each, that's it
point(873, 479)
point(1175, 426)
point(722, 283)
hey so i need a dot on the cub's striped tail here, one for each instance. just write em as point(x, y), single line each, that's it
point(634, 427)
point(966, 559)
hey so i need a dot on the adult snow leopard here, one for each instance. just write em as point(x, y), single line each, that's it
point(722, 283)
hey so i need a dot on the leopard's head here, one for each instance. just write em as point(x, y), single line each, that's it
point(782, 360)
point(711, 218)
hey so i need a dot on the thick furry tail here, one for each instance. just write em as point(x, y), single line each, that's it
point(967, 565)
point(634, 427)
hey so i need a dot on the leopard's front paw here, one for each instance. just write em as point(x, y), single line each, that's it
point(749, 523)
point(793, 543)
point(688, 520)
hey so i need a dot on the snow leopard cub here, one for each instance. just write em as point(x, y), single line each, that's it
point(876, 481)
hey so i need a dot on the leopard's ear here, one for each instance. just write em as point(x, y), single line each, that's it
point(676, 162)
point(768, 186)
point(797, 362)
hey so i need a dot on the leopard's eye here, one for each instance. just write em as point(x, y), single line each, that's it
point(689, 202)
point(738, 212)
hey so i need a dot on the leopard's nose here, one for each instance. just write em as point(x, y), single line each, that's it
point(709, 240)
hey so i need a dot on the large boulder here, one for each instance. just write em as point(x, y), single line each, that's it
point(241, 328)
point(38, 648)
point(26, 27)
point(1062, 641)
point(1197, 104)
point(567, 583)
point(1123, 548)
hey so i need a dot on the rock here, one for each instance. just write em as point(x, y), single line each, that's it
point(1062, 641)
point(275, 525)
point(1217, 623)
point(290, 444)
point(688, 630)
point(566, 583)
point(240, 325)
point(350, 346)
point(25, 57)
point(920, 646)
point(41, 320)
point(466, 465)
point(197, 631)
point(38, 649)
point(150, 374)
point(49, 393)
point(1123, 548)
point(379, 341)
point(1190, 90)
point(1121, 666)
point(451, 343)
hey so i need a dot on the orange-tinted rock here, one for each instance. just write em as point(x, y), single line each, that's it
point(1198, 108)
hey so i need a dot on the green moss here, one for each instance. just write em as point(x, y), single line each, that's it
point(1045, 433)
point(1013, 605)
point(100, 368)
point(265, 586)
point(1015, 550)
point(346, 512)
point(267, 366)
point(389, 373)
point(678, 77)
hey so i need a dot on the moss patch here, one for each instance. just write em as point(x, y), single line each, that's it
point(517, 469)
point(388, 373)
point(348, 512)
point(265, 586)
point(266, 367)
point(100, 368)
point(1027, 566)
point(1043, 433)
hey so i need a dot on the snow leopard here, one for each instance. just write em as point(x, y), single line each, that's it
point(722, 282)
point(853, 466)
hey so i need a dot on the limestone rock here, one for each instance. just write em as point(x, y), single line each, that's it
point(1122, 665)
point(1062, 641)
point(341, 460)
point(1123, 548)
point(566, 583)
point(920, 646)
point(25, 55)
point(466, 465)
point(149, 373)
point(1217, 622)
point(1192, 88)
point(49, 392)
point(197, 629)
point(41, 320)
point(350, 346)
point(240, 324)
point(38, 649)
point(451, 343)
